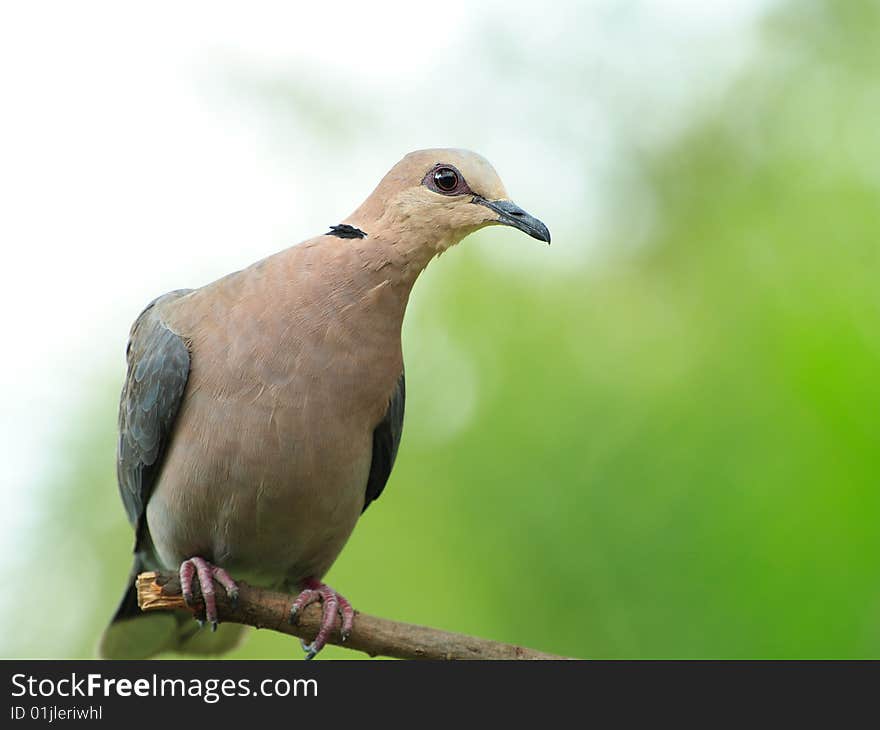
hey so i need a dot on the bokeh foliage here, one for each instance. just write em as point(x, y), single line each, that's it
point(667, 452)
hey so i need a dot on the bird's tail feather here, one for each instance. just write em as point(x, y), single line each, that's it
point(133, 634)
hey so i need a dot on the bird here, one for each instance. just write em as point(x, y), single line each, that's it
point(262, 413)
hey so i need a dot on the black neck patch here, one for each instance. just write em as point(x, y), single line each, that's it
point(346, 231)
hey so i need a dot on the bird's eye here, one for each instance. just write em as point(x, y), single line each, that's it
point(446, 179)
point(443, 178)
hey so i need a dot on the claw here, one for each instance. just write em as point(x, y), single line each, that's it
point(309, 649)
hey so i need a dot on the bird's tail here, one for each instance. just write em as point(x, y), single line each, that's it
point(133, 634)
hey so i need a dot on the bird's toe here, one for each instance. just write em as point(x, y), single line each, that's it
point(333, 604)
point(198, 569)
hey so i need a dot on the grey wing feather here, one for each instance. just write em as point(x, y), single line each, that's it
point(386, 441)
point(158, 368)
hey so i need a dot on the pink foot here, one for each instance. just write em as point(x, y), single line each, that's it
point(206, 573)
point(334, 603)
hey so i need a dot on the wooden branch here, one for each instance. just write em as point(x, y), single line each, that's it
point(375, 636)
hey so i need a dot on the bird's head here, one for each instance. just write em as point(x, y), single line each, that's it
point(439, 196)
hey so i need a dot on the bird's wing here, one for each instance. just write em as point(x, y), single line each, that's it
point(386, 439)
point(158, 367)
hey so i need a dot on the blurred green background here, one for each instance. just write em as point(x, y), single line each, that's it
point(665, 447)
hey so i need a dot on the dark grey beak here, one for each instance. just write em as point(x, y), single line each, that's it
point(510, 214)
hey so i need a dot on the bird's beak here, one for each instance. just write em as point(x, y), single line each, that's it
point(510, 214)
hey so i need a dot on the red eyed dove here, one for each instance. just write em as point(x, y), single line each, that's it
point(262, 413)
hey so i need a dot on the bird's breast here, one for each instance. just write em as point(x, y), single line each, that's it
point(267, 468)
